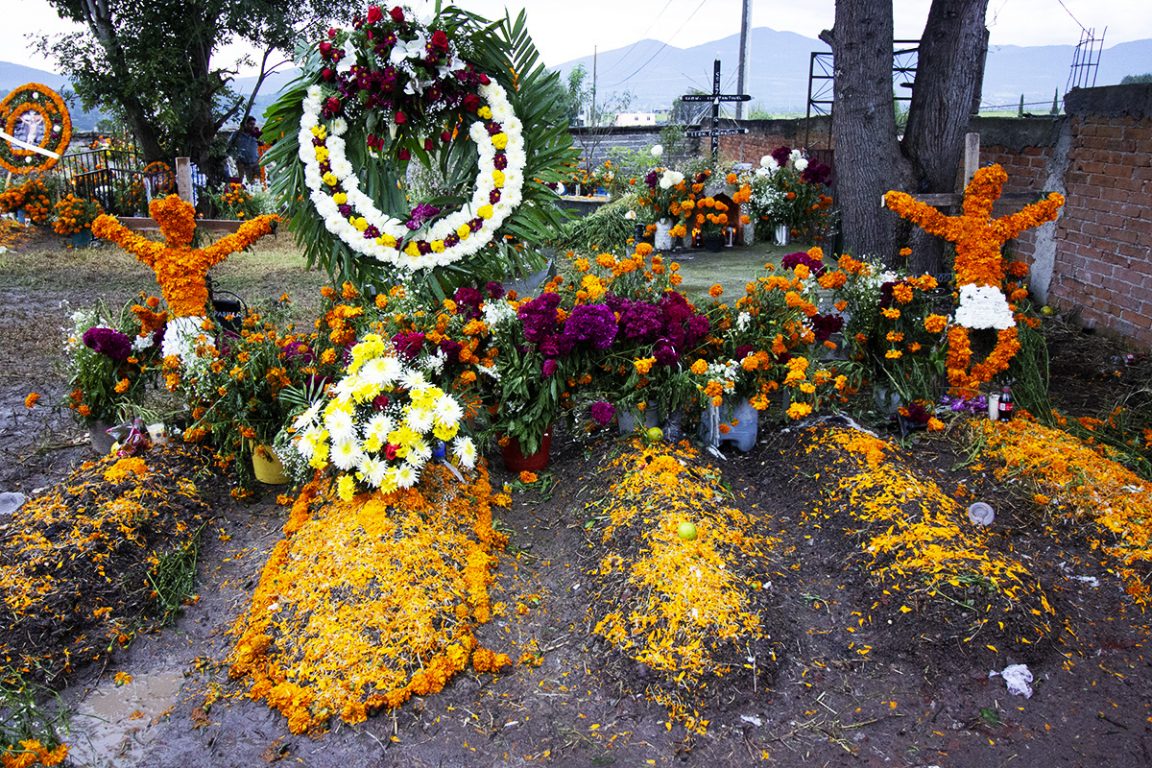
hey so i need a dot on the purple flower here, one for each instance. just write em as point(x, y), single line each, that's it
point(826, 325)
point(781, 155)
point(793, 260)
point(665, 353)
point(495, 290)
point(420, 215)
point(538, 317)
point(548, 369)
point(468, 301)
point(109, 342)
point(592, 322)
point(652, 179)
point(408, 344)
point(816, 173)
point(639, 320)
point(603, 412)
point(451, 349)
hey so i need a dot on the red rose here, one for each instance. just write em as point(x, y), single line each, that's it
point(327, 74)
point(332, 33)
point(446, 136)
point(401, 118)
point(429, 144)
point(404, 154)
point(471, 102)
point(439, 41)
point(390, 451)
point(332, 104)
point(397, 15)
point(325, 49)
point(374, 14)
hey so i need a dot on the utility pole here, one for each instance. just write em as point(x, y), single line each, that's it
point(593, 115)
point(745, 23)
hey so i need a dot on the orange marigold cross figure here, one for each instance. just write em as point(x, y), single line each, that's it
point(979, 269)
point(181, 270)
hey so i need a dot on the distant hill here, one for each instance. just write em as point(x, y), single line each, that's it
point(656, 73)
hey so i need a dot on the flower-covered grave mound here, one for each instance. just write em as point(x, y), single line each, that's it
point(678, 584)
point(368, 602)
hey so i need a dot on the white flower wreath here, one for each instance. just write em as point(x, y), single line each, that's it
point(371, 232)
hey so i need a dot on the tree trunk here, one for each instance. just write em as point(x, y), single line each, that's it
point(868, 159)
point(946, 93)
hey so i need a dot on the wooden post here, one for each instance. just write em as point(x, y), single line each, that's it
point(971, 158)
point(184, 178)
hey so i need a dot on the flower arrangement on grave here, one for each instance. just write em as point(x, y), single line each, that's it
point(980, 272)
point(444, 91)
point(73, 215)
point(769, 340)
point(383, 421)
point(112, 357)
point(32, 197)
point(645, 340)
point(790, 190)
point(180, 269)
point(236, 388)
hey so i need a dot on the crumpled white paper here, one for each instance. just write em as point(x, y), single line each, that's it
point(1017, 677)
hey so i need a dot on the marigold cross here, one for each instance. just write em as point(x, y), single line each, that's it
point(181, 270)
point(979, 269)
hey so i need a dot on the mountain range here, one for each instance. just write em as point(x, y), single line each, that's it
point(654, 74)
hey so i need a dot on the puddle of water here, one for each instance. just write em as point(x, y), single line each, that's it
point(111, 723)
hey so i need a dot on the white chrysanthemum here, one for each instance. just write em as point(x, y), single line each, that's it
point(182, 337)
point(406, 476)
point(339, 422)
point(670, 179)
point(800, 164)
point(768, 163)
point(657, 150)
point(346, 454)
point(743, 320)
point(376, 431)
point(373, 470)
point(141, 343)
point(308, 418)
point(413, 379)
point(308, 440)
point(465, 452)
point(419, 419)
point(419, 452)
point(448, 411)
point(983, 306)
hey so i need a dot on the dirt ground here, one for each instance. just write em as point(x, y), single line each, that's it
point(910, 703)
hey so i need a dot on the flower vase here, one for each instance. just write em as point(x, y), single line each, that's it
point(783, 236)
point(628, 421)
point(749, 233)
point(663, 238)
point(266, 466)
point(741, 419)
point(888, 402)
point(516, 461)
point(99, 438)
point(82, 239)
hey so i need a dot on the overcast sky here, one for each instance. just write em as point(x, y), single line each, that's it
point(568, 29)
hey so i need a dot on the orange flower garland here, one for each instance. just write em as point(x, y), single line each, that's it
point(42, 100)
point(181, 270)
point(979, 239)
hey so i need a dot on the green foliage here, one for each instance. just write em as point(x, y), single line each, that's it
point(23, 717)
point(1136, 79)
point(605, 230)
point(174, 577)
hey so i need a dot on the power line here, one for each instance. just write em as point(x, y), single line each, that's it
point(1082, 27)
point(643, 36)
point(661, 48)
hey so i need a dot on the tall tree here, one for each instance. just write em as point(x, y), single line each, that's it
point(151, 61)
point(870, 159)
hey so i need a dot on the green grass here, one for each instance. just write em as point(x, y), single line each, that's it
point(732, 268)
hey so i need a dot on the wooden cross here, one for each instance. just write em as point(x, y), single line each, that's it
point(716, 97)
point(184, 189)
point(971, 165)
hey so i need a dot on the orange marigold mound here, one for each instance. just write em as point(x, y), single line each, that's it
point(676, 584)
point(369, 602)
point(79, 564)
point(1080, 483)
point(928, 563)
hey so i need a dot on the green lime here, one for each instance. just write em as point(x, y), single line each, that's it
point(654, 434)
point(687, 531)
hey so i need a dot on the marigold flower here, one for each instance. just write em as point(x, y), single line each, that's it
point(527, 477)
point(31, 399)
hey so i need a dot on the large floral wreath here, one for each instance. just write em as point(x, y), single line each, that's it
point(397, 90)
point(36, 129)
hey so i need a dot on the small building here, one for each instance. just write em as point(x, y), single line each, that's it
point(626, 119)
